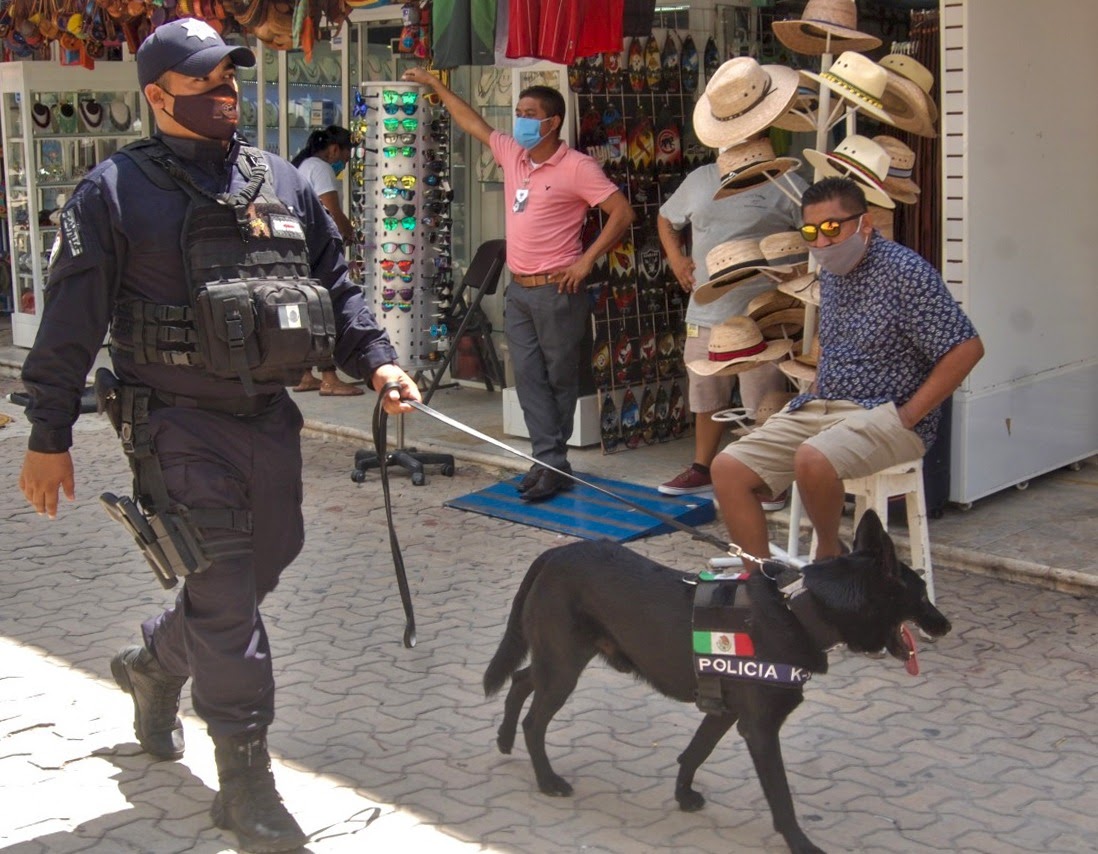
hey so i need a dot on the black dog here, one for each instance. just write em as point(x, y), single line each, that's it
point(597, 598)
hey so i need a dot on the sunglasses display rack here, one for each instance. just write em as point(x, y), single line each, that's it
point(635, 112)
point(400, 214)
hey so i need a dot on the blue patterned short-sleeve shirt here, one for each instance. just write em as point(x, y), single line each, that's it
point(883, 327)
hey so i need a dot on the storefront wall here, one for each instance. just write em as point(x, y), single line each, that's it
point(1020, 176)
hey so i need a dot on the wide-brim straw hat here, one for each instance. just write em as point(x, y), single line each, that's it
point(737, 345)
point(786, 323)
point(825, 26)
point(859, 158)
point(883, 220)
point(909, 106)
point(803, 366)
point(805, 288)
point(729, 265)
point(741, 99)
point(801, 116)
point(913, 70)
point(768, 302)
point(901, 166)
point(859, 81)
point(750, 164)
point(784, 251)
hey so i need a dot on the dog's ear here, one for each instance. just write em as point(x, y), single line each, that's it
point(872, 538)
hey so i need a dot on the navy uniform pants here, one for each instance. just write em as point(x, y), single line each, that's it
point(214, 633)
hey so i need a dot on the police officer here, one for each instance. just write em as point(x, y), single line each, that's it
point(212, 436)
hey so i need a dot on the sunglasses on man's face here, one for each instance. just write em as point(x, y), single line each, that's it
point(829, 228)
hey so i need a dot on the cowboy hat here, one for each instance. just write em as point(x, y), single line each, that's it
point(801, 116)
point(906, 97)
point(786, 323)
point(784, 252)
point(802, 367)
point(729, 265)
point(858, 80)
point(749, 164)
point(901, 165)
point(767, 303)
point(805, 288)
point(825, 26)
point(882, 219)
point(860, 158)
point(741, 99)
point(737, 345)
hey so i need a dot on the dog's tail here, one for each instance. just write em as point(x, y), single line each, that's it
point(513, 648)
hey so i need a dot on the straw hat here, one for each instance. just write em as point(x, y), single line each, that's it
point(804, 288)
point(786, 323)
point(907, 95)
point(784, 251)
point(741, 99)
point(825, 26)
point(772, 403)
point(729, 264)
point(748, 164)
point(802, 367)
point(860, 158)
point(767, 303)
point(802, 112)
point(858, 80)
point(914, 71)
point(737, 345)
point(901, 165)
point(882, 220)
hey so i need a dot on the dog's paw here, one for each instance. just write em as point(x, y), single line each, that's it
point(555, 786)
point(689, 800)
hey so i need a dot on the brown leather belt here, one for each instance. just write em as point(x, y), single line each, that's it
point(534, 280)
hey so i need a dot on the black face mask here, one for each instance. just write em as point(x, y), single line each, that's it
point(211, 114)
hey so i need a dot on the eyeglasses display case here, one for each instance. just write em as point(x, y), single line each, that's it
point(58, 122)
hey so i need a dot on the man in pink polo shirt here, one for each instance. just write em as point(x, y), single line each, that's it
point(548, 187)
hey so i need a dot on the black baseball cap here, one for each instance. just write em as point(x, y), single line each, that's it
point(188, 46)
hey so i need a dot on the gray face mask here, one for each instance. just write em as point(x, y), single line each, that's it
point(841, 258)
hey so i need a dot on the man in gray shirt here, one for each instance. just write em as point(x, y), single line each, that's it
point(754, 213)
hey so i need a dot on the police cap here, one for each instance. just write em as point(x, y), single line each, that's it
point(188, 46)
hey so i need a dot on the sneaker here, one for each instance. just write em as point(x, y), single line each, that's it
point(688, 483)
point(778, 502)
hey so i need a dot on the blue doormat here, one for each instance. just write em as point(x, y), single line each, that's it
point(588, 513)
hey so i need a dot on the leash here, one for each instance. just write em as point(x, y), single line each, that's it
point(380, 422)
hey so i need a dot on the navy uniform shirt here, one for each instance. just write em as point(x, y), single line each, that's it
point(120, 238)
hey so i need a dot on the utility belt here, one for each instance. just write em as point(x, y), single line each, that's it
point(169, 535)
point(257, 330)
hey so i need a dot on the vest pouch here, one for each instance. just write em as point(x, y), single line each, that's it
point(227, 329)
point(296, 326)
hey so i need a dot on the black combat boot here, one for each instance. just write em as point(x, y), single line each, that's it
point(248, 803)
point(155, 701)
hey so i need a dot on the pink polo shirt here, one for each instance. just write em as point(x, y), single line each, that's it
point(545, 236)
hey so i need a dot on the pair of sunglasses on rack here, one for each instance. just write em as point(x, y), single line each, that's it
point(393, 210)
point(388, 264)
point(399, 138)
point(392, 293)
point(391, 223)
point(395, 192)
point(393, 102)
point(394, 125)
point(399, 151)
point(405, 181)
point(407, 278)
point(388, 305)
point(406, 248)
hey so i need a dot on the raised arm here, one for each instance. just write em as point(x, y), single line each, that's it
point(463, 115)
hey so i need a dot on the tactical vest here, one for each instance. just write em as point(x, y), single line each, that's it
point(254, 313)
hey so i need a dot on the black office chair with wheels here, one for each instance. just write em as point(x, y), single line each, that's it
point(481, 279)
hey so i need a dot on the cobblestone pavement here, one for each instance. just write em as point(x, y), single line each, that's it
point(385, 749)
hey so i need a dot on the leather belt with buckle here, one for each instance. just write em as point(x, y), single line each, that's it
point(534, 280)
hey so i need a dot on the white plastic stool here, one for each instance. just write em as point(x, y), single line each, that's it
point(873, 492)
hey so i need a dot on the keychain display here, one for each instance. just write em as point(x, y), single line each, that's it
point(400, 213)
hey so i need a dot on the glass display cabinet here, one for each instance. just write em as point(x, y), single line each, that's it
point(58, 122)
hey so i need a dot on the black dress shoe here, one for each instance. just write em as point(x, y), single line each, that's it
point(548, 484)
point(530, 478)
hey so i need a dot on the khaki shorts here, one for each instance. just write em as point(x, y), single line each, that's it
point(855, 440)
point(710, 394)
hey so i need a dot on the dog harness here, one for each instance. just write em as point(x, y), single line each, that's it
point(723, 648)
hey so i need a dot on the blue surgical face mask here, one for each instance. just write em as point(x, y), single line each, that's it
point(338, 166)
point(528, 131)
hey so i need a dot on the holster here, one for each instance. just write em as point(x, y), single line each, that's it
point(168, 540)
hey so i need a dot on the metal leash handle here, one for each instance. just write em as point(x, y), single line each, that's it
point(380, 425)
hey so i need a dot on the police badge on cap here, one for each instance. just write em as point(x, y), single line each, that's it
point(187, 46)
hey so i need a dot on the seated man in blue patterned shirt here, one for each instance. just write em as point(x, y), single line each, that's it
point(894, 344)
